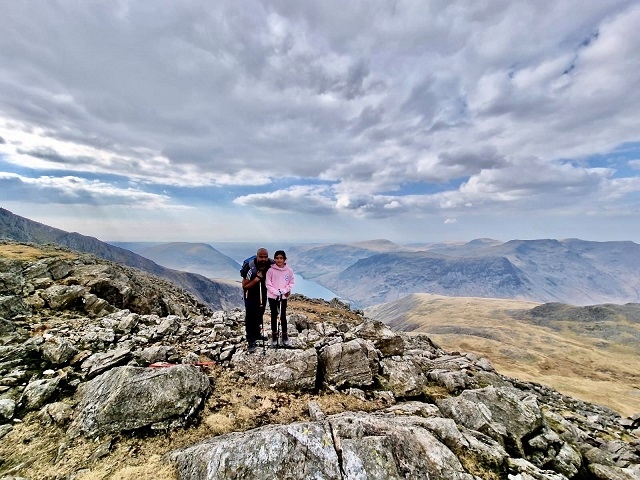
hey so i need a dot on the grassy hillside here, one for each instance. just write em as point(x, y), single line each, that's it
point(586, 361)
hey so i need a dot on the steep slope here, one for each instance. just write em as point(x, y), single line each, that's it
point(576, 271)
point(315, 261)
point(198, 258)
point(215, 294)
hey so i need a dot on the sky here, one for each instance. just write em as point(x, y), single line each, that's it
point(322, 121)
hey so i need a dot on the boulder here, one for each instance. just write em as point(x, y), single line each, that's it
point(58, 351)
point(405, 376)
point(282, 369)
point(505, 414)
point(346, 364)
point(297, 450)
point(38, 392)
point(384, 339)
point(129, 398)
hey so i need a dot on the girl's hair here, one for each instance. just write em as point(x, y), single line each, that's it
point(280, 252)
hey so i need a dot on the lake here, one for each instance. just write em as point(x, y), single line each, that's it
point(311, 289)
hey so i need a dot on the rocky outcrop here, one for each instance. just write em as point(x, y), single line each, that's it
point(144, 368)
point(215, 294)
point(130, 398)
point(392, 444)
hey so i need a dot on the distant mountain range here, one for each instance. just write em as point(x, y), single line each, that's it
point(216, 294)
point(569, 271)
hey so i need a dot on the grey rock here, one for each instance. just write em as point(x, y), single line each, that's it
point(478, 453)
point(128, 398)
point(505, 414)
point(60, 297)
point(280, 369)
point(96, 306)
point(101, 362)
point(156, 353)
point(453, 381)
point(297, 450)
point(608, 472)
point(5, 429)
point(6, 326)
point(57, 413)
point(405, 376)
point(128, 323)
point(384, 339)
point(377, 446)
point(58, 351)
point(11, 306)
point(521, 469)
point(37, 393)
point(349, 445)
point(567, 461)
point(168, 326)
point(227, 353)
point(315, 412)
point(420, 409)
point(7, 409)
point(345, 364)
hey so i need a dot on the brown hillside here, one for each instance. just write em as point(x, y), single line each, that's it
point(577, 362)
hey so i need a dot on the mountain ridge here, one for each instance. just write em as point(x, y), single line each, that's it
point(215, 294)
point(574, 272)
point(569, 271)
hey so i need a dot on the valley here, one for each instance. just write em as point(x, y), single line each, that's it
point(575, 359)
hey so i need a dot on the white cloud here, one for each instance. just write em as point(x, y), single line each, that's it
point(301, 199)
point(78, 191)
point(480, 106)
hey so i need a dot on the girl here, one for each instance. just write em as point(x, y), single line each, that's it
point(279, 284)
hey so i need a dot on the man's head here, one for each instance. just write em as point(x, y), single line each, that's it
point(262, 258)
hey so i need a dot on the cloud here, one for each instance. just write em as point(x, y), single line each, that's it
point(300, 199)
point(399, 111)
point(77, 191)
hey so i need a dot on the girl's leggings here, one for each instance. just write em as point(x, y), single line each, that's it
point(274, 304)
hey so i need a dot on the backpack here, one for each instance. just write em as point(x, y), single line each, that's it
point(250, 264)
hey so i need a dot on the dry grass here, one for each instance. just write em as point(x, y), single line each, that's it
point(16, 251)
point(320, 311)
point(576, 365)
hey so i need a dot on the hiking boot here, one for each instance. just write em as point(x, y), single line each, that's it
point(252, 347)
point(285, 340)
point(274, 340)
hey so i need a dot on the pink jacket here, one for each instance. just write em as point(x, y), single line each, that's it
point(279, 281)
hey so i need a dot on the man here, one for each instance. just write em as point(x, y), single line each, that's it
point(255, 296)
